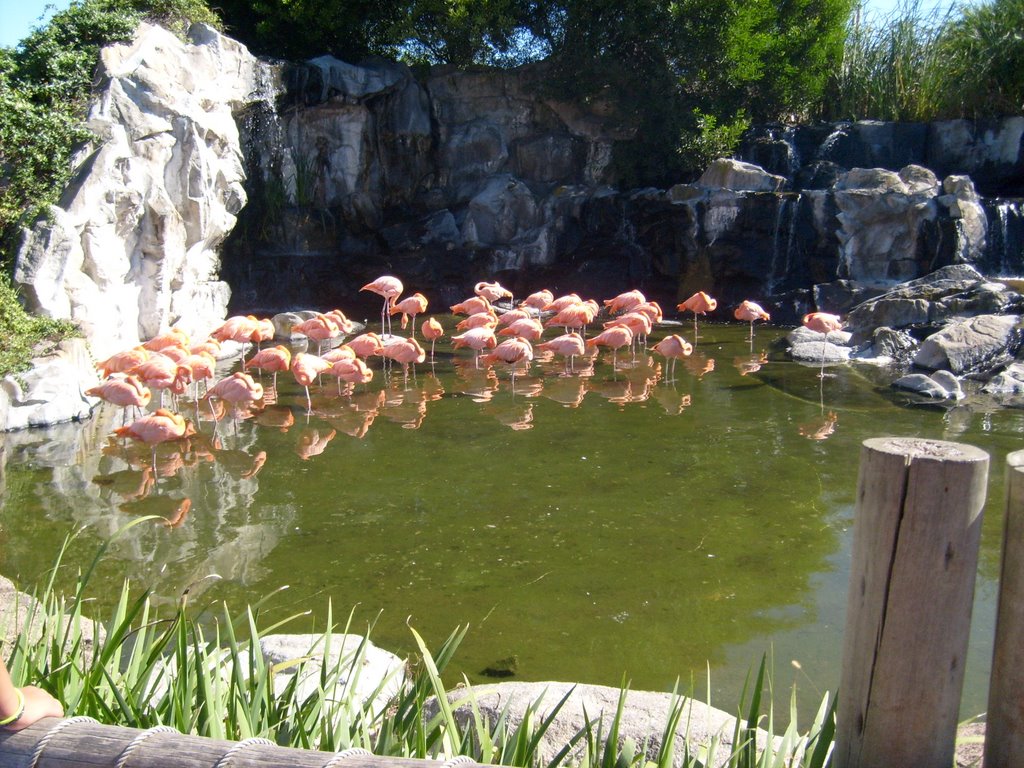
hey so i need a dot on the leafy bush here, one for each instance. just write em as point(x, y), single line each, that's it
point(44, 87)
point(25, 335)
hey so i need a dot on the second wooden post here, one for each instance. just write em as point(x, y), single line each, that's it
point(915, 550)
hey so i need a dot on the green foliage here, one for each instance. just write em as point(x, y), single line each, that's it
point(25, 335)
point(44, 87)
point(204, 674)
point(710, 139)
point(965, 61)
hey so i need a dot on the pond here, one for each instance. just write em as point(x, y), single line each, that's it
point(603, 526)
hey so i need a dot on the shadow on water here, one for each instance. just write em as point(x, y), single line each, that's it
point(590, 524)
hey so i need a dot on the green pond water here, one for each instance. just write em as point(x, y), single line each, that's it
point(604, 526)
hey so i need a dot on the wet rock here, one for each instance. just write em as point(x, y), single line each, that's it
point(1009, 381)
point(953, 291)
point(816, 351)
point(970, 345)
point(52, 391)
point(923, 385)
point(727, 173)
point(889, 342)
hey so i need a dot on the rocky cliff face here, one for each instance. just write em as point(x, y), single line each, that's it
point(133, 247)
point(347, 172)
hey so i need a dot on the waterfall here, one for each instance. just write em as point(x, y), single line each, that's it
point(1004, 250)
point(783, 235)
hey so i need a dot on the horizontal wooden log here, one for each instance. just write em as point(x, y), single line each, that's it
point(84, 743)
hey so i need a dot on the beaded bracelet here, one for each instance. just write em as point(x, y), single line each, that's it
point(20, 711)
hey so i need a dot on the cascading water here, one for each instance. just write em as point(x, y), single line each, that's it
point(1004, 250)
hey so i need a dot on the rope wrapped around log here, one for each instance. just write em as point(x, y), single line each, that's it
point(81, 742)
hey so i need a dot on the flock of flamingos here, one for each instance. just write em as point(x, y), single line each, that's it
point(511, 336)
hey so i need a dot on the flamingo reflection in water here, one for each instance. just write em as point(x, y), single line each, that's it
point(313, 441)
point(821, 428)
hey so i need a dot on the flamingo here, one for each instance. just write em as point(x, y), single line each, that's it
point(624, 302)
point(823, 323)
point(405, 351)
point(344, 352)
point(527, 328)
point(748, 311)
point(124, 390)
point(410, 307)
point(158, 427)
point(615, 337)
point(652, 309)
point(273, 359)
point(568, 345)
point(572, 317)
point(366, 344)
point(674, 348)
point(202, 365)
point(700, 304)
point(538, 300)
point(471, 306)
point(320, 328)
point(476, 339)
point(510, 351)
point(509, 317)
point(124, 361)
point(479, 320)
point(557, 305)
point(161, 372)
point(172, 338)
point(305, 368)
point(492, 291)
point(353, 371)
point(638, 322)
point(390, 288)
point(237, 388)
point(432, 330)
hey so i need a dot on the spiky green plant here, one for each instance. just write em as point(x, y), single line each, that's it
point(205, 674)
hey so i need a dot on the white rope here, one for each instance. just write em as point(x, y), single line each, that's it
point(122, 759)
point(460, 760)
point(344, 754)
point(38, 752)
point(230, 754)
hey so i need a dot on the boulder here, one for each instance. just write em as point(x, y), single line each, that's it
point(373, 675)
point(949, 292)
point(727, 173)
point(644, 716)
point(891, 343)
point(940, 389)
point(1009, 381)
point(52, 391)
point(971, 345)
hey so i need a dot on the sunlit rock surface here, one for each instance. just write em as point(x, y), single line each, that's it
point(133, 247)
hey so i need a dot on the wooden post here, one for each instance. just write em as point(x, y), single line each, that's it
point(915, 550)
point(1004, 727)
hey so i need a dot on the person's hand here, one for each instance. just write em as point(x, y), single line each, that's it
point(38, 704)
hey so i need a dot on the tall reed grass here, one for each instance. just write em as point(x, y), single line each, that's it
point(943, 62)
point(203, 673)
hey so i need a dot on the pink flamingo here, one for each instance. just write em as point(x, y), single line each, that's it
point(161, 426)
point(366, 344)
point(568, 345)
point(472, 306)
point(235, 389)
point(674, 348)
point(823, 323)
point(510, 351)
point(538, 300)
point(390, 288)
point(272, 359)
point(476, 339)
point(306, 368)
point(432, 330)
point(124, 390)
point(748, 311)
point(615, 337)
point(624, 302)
point(492, 291)
point(410, 307)
point(527, 328)
point(700, 304)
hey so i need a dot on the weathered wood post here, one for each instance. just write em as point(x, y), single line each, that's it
point(915, 551)
point(1004, 726)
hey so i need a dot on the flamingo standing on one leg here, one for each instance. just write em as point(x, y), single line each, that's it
point(823, 323)
point(624, 302)
point(410, 306)
point(511, 351)
point(568, 345)
point(476, 339)
point(305, 368)
point(124, 390)
point(237, 388)
point(161, 426)
point(405, 351)
point(674, 348)
point(273, 359)
point(748, 311)
point(390, 288)
point(614, 337)
point(492, 291)
point(700, 304)
point(432, 330)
